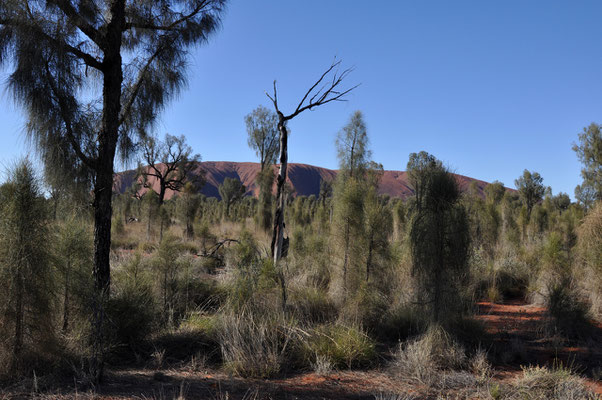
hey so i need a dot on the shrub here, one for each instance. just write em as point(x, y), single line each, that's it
point(400, 322)
point(343, 346)
point(590, 257)
point(567, 315)
point(254, 347)
point(420, 360)
point(131, 315)
point(549, 384)
point(117, 225)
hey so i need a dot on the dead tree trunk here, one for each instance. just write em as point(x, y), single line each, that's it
point(317, 95)
point(278, 234)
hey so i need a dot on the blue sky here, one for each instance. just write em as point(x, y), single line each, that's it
point(489, 87)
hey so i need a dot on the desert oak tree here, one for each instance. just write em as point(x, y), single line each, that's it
point(170, 162)
point(92, 76)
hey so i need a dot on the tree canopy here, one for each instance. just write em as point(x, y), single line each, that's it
point(589, 152)
point(92, 77)
point(530, 188)
point(262, 128)
point(170, 162)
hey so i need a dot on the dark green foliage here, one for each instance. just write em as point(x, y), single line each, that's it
point(378, 229)
point(439, 235)
point(131, 315)
point(188, 205)
point(165, 263)
point(494, 192)
point(567, 315)
point(589, 152)
point(26, 308)
point(93, 87)
point(531, 190)
point(265, 179)
point(72, 258)
point(152, 208)
point(231, 191)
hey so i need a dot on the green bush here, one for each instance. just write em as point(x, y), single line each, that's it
point(343, 346)
point(131, 315)
point(567, 315)
point(401, 322)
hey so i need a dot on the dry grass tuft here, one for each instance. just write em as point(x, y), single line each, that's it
point(422, 359)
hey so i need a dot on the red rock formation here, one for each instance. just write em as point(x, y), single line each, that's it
point(304, 179)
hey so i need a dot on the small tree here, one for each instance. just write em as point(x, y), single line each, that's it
point(590, 255)
point(352, 147)
point(589, 152)
point(25, 272)
point(166, 263)
point(494, 192)
point(188, 205)
point(439, 234)
point(378, 222)
point(151, 203)
point(350, 187)
point(72, 255)
point(169, 162)
point(231, 191)
point(530, 189)
point(262, 128)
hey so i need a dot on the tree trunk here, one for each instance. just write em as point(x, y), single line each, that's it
point(149, 220)
point(161, 231)
point(369, 260)
point(278, 234)
point(66, 299)
point(107, 144)
point(19, 314)
point(161, 191)
point(346, 259)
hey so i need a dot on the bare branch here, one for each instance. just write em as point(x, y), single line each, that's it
point(275, 98)
point(319, 93)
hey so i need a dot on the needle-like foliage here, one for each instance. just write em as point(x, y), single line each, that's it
point(92, 76)
point(439, 235)
point(25, 302)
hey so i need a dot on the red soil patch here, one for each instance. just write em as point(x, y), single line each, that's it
point(517, 324)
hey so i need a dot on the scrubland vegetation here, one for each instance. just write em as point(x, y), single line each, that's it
point(368, 282)
point(97, 284)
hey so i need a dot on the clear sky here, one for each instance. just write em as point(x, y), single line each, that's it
point(489, 87)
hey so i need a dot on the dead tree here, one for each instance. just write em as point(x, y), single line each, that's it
point(323, 91)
